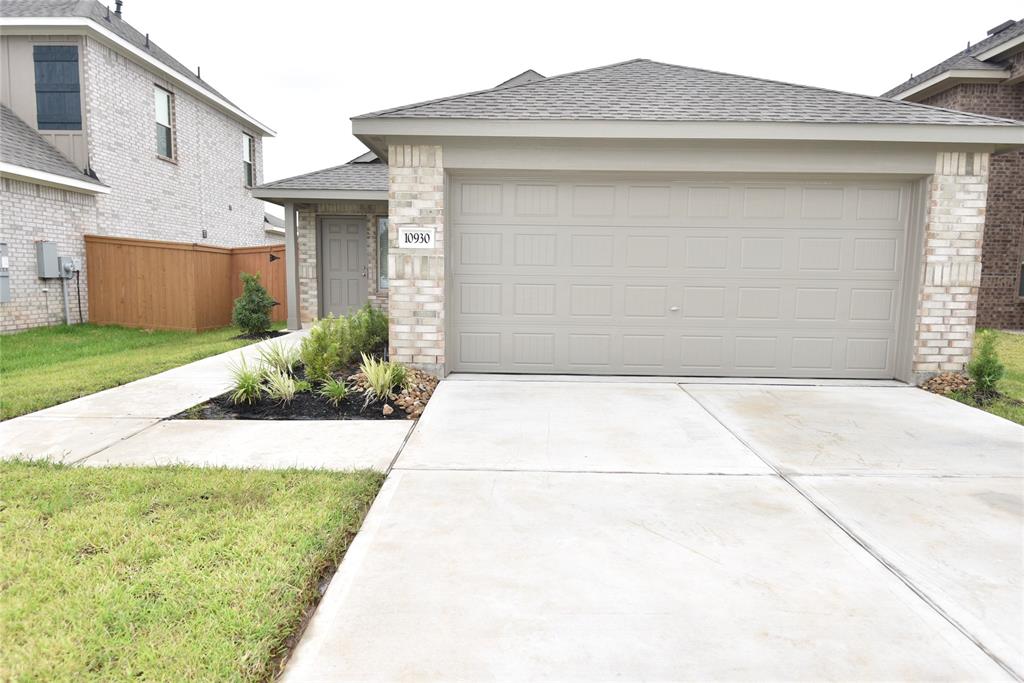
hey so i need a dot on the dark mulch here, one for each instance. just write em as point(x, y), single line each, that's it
point(269, 334)
point(306, 406)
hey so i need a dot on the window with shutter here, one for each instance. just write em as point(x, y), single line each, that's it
point(58, 98)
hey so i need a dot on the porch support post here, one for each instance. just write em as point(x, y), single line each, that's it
point(291, 267)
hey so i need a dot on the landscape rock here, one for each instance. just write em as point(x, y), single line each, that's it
point(948, 383)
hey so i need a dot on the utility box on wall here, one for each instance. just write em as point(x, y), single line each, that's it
point(46, 260)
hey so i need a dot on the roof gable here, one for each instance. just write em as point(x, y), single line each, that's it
point(22, 146)
point(104, 18)
point(644, 90)
point(967, 59)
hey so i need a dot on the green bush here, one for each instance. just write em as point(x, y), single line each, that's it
point(985, 368)
point(280, 387)
point(334, 390)
point(368, 329)
point(246, 382)
point(383, 378)
point(326, 348)
point(280, 356)
point(252, 309)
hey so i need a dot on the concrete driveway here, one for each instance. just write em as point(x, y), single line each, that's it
point(600, 530)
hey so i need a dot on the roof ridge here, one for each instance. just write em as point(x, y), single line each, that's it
point(874, 98)
point(416, 105)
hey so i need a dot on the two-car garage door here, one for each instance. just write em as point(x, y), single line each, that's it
point(675, 277)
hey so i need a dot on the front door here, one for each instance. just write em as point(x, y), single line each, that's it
point(343, 265)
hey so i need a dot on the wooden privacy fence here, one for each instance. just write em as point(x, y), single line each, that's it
point(172, 285)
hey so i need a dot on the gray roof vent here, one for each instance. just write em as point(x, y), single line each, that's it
point(1002, 27)
point(528, 76)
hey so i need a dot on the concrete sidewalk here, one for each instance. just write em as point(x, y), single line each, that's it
point(127, 425)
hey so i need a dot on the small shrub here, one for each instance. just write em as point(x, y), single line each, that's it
point(302, 386)
point(985, 368)
point(252, 309)
point(334, 390)
point(280, 386)
point(280, 356)
point(326, 348)
point(368, 329)
point(247, 382)
point(382, 378)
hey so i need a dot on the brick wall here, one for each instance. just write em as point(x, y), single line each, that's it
point(306, 234)
point(947, 303)
point(30, 213)
point(153, 198)
point(416, 305)
point(998, 302)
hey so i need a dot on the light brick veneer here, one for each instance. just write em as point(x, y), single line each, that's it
point(30, 213)
point(416, 298)
point(306, 233)
point(948, 301)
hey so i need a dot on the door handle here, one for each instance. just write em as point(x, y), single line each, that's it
point(673, 308)
point(364, 271)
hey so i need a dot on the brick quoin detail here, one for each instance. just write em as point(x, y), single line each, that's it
point(947, 303)
point(416, 294)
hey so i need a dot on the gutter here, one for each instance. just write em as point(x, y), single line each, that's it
point(38, 177)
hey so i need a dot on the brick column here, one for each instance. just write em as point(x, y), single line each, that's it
point(948, 302)
point(416, 276)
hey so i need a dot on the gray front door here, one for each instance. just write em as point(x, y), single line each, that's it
point(343, 265)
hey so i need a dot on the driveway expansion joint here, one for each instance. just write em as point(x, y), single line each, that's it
point(867, 547)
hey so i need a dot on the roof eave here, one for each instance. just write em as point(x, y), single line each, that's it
point(33, 175)
point(1001, 48)
point(286, 195)
point(80, 25)
point(374, 131)
point(949, 79)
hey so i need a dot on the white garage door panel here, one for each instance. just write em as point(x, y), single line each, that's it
point(756, 279)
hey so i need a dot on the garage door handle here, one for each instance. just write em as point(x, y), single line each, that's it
point(673, 308)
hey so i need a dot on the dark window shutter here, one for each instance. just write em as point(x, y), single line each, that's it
point(58, 99)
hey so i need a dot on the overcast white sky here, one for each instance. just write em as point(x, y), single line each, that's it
point(304, 67)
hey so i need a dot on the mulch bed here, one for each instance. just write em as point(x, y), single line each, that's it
point(309, 405)
point(269, 334)
point(306, 406)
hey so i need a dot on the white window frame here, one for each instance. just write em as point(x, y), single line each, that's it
point(249, 164)
point(172, 145)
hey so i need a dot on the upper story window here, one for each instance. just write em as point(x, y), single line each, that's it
point(58, 98)
point(164, 122)
point(248, 159)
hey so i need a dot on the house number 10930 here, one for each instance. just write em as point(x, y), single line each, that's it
point(415, 238)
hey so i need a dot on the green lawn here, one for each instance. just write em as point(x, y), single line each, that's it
point(1010, 348)
point(164, 574)
point(50, 365)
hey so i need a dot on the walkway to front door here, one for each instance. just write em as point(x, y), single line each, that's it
point(343, 255)
point(598, 531)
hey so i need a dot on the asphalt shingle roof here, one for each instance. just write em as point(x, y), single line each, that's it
point(92, 9)
point(964, 60)
point(22, 146)
point(371, 176)
point(644, 90)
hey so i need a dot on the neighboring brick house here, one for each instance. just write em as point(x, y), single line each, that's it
point(988, 78)
point(156, 152)
point(645, 218)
